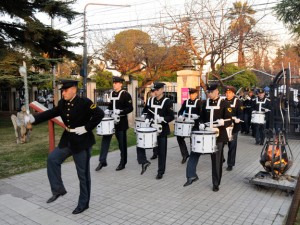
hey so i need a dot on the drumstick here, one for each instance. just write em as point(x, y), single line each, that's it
point(207, 124)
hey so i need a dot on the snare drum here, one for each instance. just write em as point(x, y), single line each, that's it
point(146, 137)
point(139, 122)
point(204, 142)
point(183, 129)
point(106, 126)
point(258, 117)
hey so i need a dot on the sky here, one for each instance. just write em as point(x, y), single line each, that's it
point(106, 21)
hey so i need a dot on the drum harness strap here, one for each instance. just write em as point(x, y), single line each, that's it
point(260, 103)
point(156, 107)
point(190, 107)
point(212, 108)
point(114, 99)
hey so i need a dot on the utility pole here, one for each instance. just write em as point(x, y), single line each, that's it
point(85, 44)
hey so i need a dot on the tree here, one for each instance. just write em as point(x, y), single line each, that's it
point(241, 24)
point(24, 31)
point(288, 12)
point(124, 52)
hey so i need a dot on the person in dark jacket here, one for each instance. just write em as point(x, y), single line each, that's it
point(119, 107)
point(80, 116)
point(215, 110)
point(237, 114)
point(190, 109)
point(161, 114)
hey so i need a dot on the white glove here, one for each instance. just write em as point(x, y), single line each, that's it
point(201, 126)
point(160, 119)
point(147, 122)
point(106, 111)
point(236, 120)
point(80, 130)
point(29, 119)
point(267, 110)
point(117, 111)
point(194, 116)
point(180, 118)
point(143, 116)
point(248, 97)
point(220, 122)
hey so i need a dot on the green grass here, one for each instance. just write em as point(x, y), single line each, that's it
point(20, 158)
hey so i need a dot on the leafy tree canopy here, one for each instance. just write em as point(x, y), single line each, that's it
point(288, 12)
point(23, 30)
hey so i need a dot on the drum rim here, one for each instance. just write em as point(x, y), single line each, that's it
point(151, 130)
point(185, 122)
point(204, 132)
point(107, 119)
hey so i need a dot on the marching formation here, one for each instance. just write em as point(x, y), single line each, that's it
point(209, 124)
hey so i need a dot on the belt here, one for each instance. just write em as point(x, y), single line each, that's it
point(70, 130)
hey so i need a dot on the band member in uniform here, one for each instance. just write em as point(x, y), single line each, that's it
point(120, 105)
point(219, 111)
point(261, 104)
point(142, 157)
point(189, 109)
point(160, 114)
point(144, 112)
point(237, 113)
point(247, 106)
point(80, 116)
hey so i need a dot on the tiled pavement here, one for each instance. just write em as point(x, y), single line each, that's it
point(126, 197)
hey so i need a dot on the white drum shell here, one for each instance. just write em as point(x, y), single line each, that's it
point(139, 122)
point(258, 118)
point(146, 137)
point(183, 129)
point(204, 142)
point(106, 126)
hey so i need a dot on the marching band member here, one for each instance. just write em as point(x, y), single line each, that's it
point(141, 154)
point(190, 109)
point(247, 106)
point(237, 114)
point(261, 104)
point(120, 105)
point(80, 116)
point(161, 114)
point(214, 110)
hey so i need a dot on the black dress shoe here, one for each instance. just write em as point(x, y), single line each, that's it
point(184, 159)
point(229, 168)
point(79, 209)
point(153, 157)
point(100, 165)
point(190, 181)
point(144, 167)
point(159, 176)
point(54, 197)
point(215, 188)
point(120, 167)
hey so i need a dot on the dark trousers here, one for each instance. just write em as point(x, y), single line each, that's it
point(141, 155)
point(259, 133)
point(216, 164)
point(247, 122)
point(122, 140)
point(161, 154)
point(82, 162)
point(182, 145)
point(232, 145)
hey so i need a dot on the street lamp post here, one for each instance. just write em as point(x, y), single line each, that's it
point(85, 44)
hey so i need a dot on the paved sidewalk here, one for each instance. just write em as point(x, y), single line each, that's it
point(126, 197)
